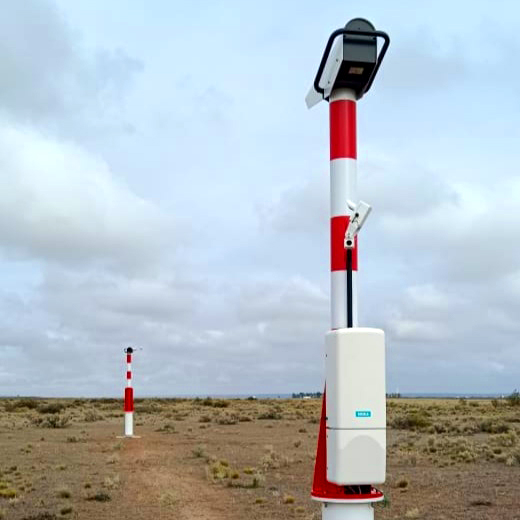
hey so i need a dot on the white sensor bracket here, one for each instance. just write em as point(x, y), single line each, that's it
point(358, 216)
point(329, 75)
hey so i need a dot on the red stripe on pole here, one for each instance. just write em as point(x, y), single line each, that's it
point(129, 358)
point(129, 399)
point(129, 375)
point(343, 129)
point(338, 254)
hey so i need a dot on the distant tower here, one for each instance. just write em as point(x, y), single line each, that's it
point(129, 395)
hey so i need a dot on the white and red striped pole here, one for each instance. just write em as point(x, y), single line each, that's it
point(343, 187)
point(352, 454)
point(338, 502)
point(129, 395)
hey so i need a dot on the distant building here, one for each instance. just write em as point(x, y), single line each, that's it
point(307, 395)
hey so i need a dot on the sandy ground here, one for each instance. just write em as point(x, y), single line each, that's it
point(249, 460)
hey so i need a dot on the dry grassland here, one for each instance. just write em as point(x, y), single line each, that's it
point(246, 459)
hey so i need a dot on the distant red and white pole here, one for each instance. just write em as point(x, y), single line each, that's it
point(343, 187)
point(129, 395)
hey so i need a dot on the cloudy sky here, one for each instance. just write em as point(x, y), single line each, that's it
point(162, 184)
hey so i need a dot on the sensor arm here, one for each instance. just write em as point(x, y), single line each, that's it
point(359, 214)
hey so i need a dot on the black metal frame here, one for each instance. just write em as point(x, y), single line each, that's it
point(328, 48)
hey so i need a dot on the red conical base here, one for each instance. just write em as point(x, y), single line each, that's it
point(322, 489)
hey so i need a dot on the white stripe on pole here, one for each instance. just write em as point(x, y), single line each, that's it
point(342, 93)
point(343, 183)
point(129, 424)
point(333, 511)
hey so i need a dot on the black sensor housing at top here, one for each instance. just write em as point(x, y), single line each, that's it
point(359, 57)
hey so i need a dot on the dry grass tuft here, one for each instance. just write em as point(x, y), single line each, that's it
point(169, 499)
point(92, 416)
point(8, 493)
point(100, 496)
point(112, 482)
point(63, 492)
point(481, 502)
point(199, 452)
point(166, 428)
point(402, 483)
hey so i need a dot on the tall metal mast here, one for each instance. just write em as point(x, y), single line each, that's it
point(351, 453)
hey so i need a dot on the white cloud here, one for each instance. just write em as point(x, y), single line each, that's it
point(60, 203)
point(469, 237)
point(417, 331)
point(49, 76)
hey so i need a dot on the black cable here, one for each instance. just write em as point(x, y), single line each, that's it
point(349, 289)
